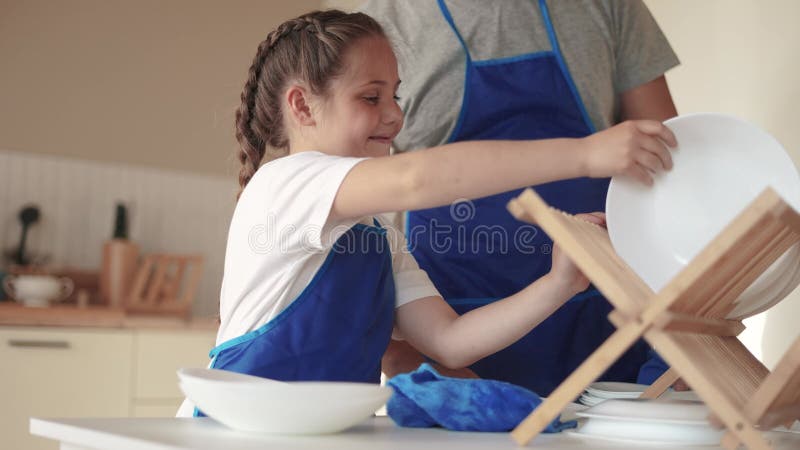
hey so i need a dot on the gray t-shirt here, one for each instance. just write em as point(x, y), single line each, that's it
point(609, 46)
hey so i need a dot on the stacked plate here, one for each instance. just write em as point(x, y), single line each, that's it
point(256, 404)
point(721, 164)
point(648, 422)
point(599, 392)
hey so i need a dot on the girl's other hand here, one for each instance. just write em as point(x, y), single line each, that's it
point(636, 148)
point(563, 271)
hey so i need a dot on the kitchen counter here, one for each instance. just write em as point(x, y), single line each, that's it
point(94, 316)
point(375, 433)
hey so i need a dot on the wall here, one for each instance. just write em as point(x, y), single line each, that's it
point(168, 211)
point(147, 82)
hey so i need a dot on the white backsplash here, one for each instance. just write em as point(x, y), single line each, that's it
point(168, 211)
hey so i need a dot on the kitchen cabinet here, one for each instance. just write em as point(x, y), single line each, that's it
point(158, 355)
point(91, 372)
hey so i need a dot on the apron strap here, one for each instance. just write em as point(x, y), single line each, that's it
point(562, 64)
point(449, 18)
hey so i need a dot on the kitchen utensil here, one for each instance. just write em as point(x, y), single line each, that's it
point(720, 165)
point(117, 271)
point(28, 216)
point(119, 260)
point(260, 405)
point(37, 290)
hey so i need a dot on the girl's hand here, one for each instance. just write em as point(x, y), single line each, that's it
point(636, 148)
point(563, 271)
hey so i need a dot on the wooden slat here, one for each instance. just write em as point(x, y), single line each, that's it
point(704, 378)
point(781, 388)
point(154, 288)
point(721, 258)
point(671, 321)
point(748, 273)
point(589, 247)
point(193, 281)
point(718, 287)
point(760, 266)
point(663, 383)
point(140, 280)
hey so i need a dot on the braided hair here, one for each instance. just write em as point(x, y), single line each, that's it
point(308, 48)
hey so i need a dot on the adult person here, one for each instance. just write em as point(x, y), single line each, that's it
point(520, 69)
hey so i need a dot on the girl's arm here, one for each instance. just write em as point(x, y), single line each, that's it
point(473, 169)
point(431, 326)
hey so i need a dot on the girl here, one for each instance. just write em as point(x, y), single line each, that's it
point(311, 289)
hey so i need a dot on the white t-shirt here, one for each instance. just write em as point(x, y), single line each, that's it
point(280, 235)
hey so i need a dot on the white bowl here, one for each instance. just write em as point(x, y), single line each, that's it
point(722, 163)
point(255, 404)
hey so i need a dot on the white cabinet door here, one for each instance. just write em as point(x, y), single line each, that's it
point(158, 355)
point(61, 372)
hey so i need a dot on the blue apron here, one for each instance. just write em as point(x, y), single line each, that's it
point(337, 329)
point(529, 96)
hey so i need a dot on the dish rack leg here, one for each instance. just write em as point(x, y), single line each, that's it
point(569, 389)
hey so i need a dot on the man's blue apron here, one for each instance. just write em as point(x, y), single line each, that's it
point(337, 329)
point(476, 252)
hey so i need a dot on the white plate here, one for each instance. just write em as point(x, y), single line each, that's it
point(721, 164)
point(615, 389)
point(676, 412)
point(266, 406)
point(590, 400)
point(642, 434)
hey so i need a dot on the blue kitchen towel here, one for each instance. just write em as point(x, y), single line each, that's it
point(424, 398)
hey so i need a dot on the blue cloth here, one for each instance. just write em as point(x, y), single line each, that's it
point(424, 398)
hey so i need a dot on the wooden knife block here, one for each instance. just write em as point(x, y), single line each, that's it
point(686, 321)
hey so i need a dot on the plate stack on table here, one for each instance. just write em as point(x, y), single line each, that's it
point(598, 392)
point(665, 422)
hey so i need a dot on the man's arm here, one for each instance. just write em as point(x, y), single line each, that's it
point(401, 357)
point(651, 100)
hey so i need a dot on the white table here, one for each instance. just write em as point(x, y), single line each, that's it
point(374, 434)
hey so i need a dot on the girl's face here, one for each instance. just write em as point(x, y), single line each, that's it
point(360, 116)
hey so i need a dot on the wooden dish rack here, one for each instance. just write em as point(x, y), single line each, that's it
point(686, 321)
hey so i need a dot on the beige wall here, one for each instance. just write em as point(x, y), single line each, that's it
point(148, 82)
point(741, 57)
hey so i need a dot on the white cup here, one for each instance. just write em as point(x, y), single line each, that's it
point(37, 290)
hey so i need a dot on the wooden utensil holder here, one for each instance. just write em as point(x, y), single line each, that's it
point(686, 321)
